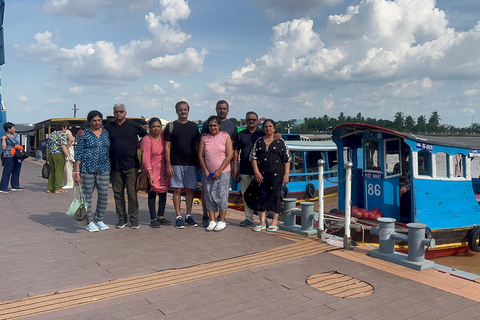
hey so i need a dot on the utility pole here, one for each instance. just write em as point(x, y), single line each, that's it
point(75, 110)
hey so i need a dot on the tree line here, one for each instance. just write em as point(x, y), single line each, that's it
point(400, 122)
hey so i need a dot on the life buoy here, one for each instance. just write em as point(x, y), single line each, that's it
point(473, 239)
point(285, 192)
point(310, 190)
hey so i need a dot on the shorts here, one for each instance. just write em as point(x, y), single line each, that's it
point(184, 177)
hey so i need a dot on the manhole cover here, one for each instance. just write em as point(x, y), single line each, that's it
point(340, 285)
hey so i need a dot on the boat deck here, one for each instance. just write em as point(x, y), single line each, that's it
point(50, 268)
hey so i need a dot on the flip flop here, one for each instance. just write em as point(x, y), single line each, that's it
point(259, 228)
point(272, 228)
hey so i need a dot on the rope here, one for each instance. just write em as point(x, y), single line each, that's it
point(334, 182)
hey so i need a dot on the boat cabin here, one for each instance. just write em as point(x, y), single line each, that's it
point(440, 172)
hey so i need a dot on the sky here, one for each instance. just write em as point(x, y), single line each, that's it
point(280, 58)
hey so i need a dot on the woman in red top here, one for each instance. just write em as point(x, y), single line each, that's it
point(153, 162)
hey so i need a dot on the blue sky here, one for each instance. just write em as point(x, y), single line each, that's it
point(283, 59)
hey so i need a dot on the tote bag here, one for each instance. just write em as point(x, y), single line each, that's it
point(78, 207)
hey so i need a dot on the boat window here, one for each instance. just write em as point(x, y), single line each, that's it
point(372, 154)
point(424, 160)
point(441, 164)
point(392, 157)
point(296, 169)
point(459, 165)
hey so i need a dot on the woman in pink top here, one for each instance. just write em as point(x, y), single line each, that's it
point(215, 154)
point(153, 162)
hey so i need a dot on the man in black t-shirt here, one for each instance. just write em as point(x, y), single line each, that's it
point(243, 145)
point(124, 164)
point(181, 155)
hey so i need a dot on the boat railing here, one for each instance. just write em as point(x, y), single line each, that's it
point(313, 175)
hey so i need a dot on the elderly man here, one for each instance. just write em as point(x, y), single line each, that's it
point(124, 163)
point(181, 157)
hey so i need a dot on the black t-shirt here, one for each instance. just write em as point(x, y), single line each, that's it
point(123, 144)
point(244, 143)
point(183, 138)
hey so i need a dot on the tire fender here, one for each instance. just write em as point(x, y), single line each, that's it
point(310, 190)
point(473, 239)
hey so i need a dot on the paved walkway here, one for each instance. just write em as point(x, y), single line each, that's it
point(50, 268)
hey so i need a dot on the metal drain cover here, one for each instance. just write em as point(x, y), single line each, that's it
point(340, 285)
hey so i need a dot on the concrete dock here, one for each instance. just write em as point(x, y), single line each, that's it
point(50, 268)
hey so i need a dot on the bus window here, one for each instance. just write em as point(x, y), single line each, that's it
point(424, 160)
point(459, 165)
point(441, 164)
point(372, 155)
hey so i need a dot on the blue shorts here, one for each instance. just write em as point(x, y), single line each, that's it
point(184, 177)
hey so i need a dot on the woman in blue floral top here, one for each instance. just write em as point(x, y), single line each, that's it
point(11, 165)
point(92, 168)
point(56, 153)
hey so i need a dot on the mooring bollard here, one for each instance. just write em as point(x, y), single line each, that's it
point(308, 223)
point(416, 244)
point(289, 215)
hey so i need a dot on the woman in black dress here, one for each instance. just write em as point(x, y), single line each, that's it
point(271, 165)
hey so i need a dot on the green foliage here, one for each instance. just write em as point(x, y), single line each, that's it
point(400, 123)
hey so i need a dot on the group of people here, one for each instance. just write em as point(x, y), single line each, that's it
point(171, 158)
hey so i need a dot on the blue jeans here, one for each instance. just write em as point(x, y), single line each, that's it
point(11, 173)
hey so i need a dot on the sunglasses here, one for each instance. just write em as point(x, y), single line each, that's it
point(118, 111)
point(251, 120)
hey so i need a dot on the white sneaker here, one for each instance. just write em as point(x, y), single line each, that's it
point(67, 187)
point(102, 226)
point(220, 226)
point(91, 227)
point(211, 226)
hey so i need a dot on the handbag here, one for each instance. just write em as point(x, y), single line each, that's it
point(18, 151)
point(78, 207)
point(45, 170)
point(142, 181)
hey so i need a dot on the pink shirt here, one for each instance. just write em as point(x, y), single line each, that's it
point(153, 158)
point(215, 151)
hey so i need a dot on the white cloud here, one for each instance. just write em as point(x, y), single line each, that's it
point(76, 90)
point(174, 10)
point(328, 103)
point(410, 89)
point(22, 98)
point(174, 85)
point(182, 63)
point(377, 43)
point(102, 63)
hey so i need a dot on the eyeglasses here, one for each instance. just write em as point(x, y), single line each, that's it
point(251, 120)
point(118, 111)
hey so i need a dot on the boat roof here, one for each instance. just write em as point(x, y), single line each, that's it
point(294, 145)
point(464, 142)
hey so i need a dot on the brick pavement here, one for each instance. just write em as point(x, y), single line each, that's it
point(43, 252)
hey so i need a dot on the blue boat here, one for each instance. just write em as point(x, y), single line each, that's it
point(443, 194)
